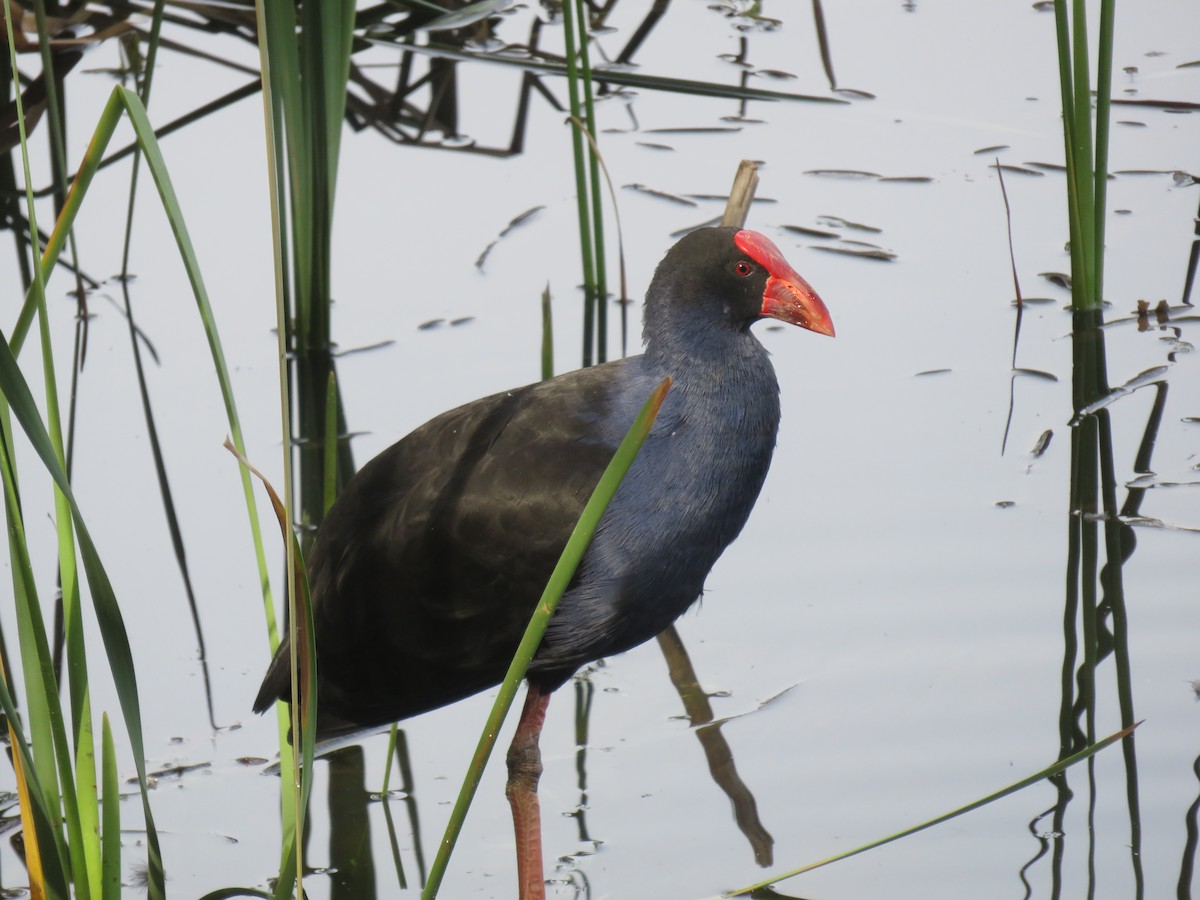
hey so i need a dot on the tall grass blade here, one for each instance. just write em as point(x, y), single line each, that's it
point(1103, 106)
point(1067, 91)
point(547, 336)
point(1082, 147)
point(108, 613)
point(278, 70)
point(577, 84)
point(623, 299)
point(40, 802)
point(49, 449)
point(1086, 150)
point(305, 58)
point(47, 874)
point(51, 748)
point(577, 544)
point(82, 813)
point(51, 758)
point(56, 121)
point(74, 785)
point(1095, 599)
point(305, 66)
point(595, 196)
point(110, 833)
point(330, 442)
point(304, 686)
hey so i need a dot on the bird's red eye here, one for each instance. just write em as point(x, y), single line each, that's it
point(742, 268)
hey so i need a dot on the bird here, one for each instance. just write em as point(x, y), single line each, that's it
point(426, 569)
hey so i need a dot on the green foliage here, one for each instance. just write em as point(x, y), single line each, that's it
point(110, 833)
point(588, 195)
point(44, 705)
point(59, 769)
point(1086, 152)
point(306, 64)
point(305, 59)
point(547, 368)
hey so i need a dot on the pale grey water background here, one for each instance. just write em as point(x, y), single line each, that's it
point(913, 626)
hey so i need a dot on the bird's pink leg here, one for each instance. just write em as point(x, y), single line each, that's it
point(524, 770)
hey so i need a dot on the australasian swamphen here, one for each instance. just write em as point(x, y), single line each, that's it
point(426, 570)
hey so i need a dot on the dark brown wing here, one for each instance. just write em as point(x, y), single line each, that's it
point(427, 568)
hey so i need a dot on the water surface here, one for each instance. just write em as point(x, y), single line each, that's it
point(886, 640)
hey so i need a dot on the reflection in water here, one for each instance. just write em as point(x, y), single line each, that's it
point(716, 749)
point(584, 693)
point(1101, 539)
point(351, 861)
point(164, 488)
point(1193, 262)
point(407, 791)
point(1094, 621)
point(1183, 890)
point(420, 104)
point(565, 870)
point(315, 393)
point(351, 868)
point(1043, 839)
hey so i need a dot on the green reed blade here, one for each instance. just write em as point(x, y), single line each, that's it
point(51, 748)
point(300, 717)
point(1086, 150)
point(108, 613)
point(1104, 54)
point(43, 713)
point(46, 873)
point(594, 187)
point(112, 628)
point(331, 441)
point(547, 336)
point(110, 832)
point(571, 32)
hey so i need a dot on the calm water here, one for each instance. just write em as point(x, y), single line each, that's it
point(884, 643)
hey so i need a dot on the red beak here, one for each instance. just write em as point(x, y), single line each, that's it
point(788, 297)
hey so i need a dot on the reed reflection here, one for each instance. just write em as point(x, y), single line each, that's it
point(1095, 621)
point(1101, 539)
point(1183, 889)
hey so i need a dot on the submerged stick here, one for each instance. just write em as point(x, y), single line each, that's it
point(741, 195)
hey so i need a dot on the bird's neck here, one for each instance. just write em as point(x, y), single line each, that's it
point(726, 377)
point(715, 354)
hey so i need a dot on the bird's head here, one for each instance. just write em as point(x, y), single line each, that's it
point(730, 278)
point(785, 296)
